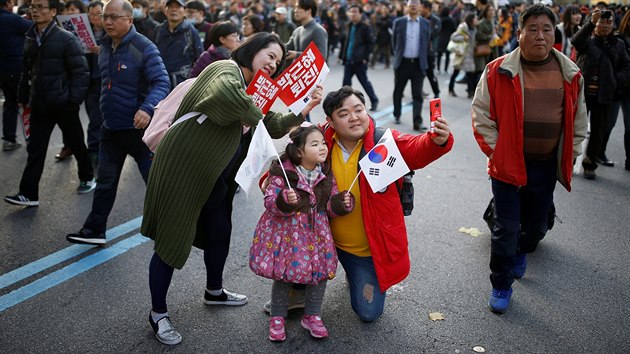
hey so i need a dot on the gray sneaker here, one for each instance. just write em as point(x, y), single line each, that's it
point(297, 300)
point(8, 146)
point(164, 331)
point(226, 298)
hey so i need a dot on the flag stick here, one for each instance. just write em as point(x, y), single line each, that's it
point(353, 182)
point(283, 171)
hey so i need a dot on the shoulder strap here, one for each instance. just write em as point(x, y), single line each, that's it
point(191, 43)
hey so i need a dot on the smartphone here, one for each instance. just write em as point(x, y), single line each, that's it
point(435, 110)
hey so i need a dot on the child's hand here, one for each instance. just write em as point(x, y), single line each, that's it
point(290, 197)
point(347, 200)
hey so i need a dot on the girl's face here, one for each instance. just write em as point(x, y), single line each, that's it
point(247, 28)
point(576, 18)
point(231, 41)
point(267, 59)
point(314, 150)
point(71, 10)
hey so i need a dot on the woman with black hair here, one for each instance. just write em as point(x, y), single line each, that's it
point(224, 38)
point(570, 24)
point(191, 184)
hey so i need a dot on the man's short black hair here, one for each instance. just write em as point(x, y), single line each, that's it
point(308, 5)
point(536, 10)
point(356, 6)
point(221, 29)
point(245, 53)
point(335, 99)
point(143, 3)
point(54, 4)
point(4, 3)
point(95, 4)
point(196, 5)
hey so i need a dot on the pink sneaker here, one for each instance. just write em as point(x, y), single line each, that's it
point(276, 329)
point(315, 325)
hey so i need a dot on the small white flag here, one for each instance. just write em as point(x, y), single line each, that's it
point(383, 164)
point(261, 149)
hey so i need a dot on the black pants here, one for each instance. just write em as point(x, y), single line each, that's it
point(9, 86)
point(359, 69)
point(42, 124)
point(598, 113)
point(435, 86)
point(447, 58)
point(115, 146)
point(93, 109)
point(409, 70)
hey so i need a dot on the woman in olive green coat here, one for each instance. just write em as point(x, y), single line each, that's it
point(194, 166)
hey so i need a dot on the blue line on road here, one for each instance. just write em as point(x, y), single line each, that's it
point(384, 114)
point(44, 283)
point(63, 255)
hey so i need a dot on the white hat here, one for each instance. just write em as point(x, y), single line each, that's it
point(281, 10)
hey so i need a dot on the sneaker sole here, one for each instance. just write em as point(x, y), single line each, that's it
point(86, 241)
point(314, 335)
point(169, 342)
point(87, 190)
point(224, 303)
point(496, 311)
point(277, 339)
point(28, 204)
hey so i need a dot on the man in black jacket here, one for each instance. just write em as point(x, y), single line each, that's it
point(54, 82)
point(605, 65)
point(356, 53)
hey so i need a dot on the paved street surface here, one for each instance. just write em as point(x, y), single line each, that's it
point(57, 297)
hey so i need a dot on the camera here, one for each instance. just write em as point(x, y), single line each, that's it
point(606, 14)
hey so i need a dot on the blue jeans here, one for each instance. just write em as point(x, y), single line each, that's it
point(520, 218)
point(365, 295)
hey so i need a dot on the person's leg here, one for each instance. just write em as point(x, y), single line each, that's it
point(42, 125)
point(598, 115)
point(360, 69)
point(438, 59)
point(366, 298)
point(315, 298)
point(140, 152)
point(347, 74)
point(451, 84)
point(625, 108)
point(417, 80)
point(505, 233)
point(280, 298)
point(400, 81)
point(93, 109)
point(447, 59)
point(160, 275)
point(217, 224)
point(112, 156)
point(9, 86)
point(70, 124)
point(435, 86)
point(536, 199)
point(611, 120)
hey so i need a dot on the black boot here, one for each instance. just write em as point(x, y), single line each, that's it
point(602, 159)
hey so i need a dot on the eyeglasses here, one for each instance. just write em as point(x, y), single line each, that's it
point(38, 7)
point(112, 17)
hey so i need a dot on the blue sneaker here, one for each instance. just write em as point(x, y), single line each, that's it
point(500, 300)
point(521, 264)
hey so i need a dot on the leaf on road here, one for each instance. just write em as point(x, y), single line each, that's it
point(436, 316)
point(472, 231)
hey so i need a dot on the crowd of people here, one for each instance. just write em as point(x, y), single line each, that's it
point(559, 64)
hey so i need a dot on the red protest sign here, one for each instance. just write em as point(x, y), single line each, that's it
point(263, 91)
point(307, 71)
point(25, 114)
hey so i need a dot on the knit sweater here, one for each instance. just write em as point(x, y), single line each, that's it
point(303, 35)
point(192, 156)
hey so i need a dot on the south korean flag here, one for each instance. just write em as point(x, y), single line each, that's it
point(383, 164)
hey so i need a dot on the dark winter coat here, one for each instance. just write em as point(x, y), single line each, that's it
point(605, 57)
point(363, 43)
point(208, 57)
point(55, 72)
point(133, 77)
point(12, 33)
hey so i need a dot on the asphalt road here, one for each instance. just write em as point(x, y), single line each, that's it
point(574, 298)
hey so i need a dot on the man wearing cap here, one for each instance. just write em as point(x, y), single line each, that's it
point(178, 42)
point(196, 15)
point(282, 27)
